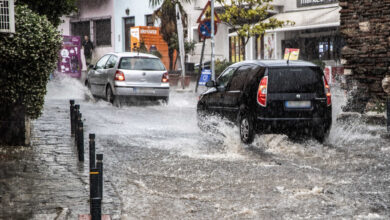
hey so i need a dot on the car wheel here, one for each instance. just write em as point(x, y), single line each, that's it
point(165, 100)
point(247, 133)
point(320, 134)
point(109, 95)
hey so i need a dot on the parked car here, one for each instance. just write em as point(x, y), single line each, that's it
point(270, 95)
point(118, 76)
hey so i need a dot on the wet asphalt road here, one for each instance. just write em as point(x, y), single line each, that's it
point(162, 166)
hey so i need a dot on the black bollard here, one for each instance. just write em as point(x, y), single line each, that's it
point(77, 128)
point(91, 151)
point(71, 102)
point(75, 122)
point(80, 143)
point(99, 166)
point(94, 183)
point(96, 208)
point(388, 114)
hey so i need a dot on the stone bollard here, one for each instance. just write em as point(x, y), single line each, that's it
point(99, 166)
point(80, 142)
point(71, 116)
point(91, 151)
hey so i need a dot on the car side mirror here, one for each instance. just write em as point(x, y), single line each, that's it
point(211, 83)
point(91, 66)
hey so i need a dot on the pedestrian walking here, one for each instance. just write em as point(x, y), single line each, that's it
point(88, 47)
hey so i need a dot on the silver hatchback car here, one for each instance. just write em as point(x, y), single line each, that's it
point(117, 76)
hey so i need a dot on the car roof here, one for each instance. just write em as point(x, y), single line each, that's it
point(133, 54)
point(275, 63)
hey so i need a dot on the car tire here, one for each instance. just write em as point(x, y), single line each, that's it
point(109, 95)
point(320, 134)
point(165, 101)
point(247, 131)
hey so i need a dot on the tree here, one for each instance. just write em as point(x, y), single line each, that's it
point(166, 13)
point(248, 17)
point(26, 58)
point(53, 10)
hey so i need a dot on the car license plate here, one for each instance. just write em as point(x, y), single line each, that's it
point(298, 104)
point(144, 90)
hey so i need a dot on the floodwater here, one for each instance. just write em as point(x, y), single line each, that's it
point(163, 167)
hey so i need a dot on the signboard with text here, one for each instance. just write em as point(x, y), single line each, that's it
point(291, 54)
point(205, 77)
point(69, 62)
point(305, 3)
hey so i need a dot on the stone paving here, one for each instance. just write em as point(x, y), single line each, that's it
point(46, 181)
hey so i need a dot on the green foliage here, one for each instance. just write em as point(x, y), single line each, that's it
point(248, 17)
point(319, 63)
point(167, 15)
point(220, 66)
point(53, 10)
point(174, 44)
point(27, 58)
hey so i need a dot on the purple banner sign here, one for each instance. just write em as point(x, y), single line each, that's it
point(69, 62)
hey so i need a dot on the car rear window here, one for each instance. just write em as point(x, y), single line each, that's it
point(295, 80)
point(141, 63)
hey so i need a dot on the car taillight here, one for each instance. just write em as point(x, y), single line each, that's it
point(119, 76)
point(327, 92)
point(262, 92)
point(165, 78)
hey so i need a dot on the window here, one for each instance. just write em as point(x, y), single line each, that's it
point(141, 63)
point(295, 80)
point(149, 20)
point(236, 49)
point(80, 29)
point(111, 62)
point(239, 78)
point(225, 77)
point(7, 18)
point(101, 64)
point(103, 32)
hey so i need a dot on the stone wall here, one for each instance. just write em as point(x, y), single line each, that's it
point(365, 26)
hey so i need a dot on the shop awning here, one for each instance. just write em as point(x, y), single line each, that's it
point(309, 19)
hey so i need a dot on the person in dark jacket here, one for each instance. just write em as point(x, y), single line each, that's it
point(88, 47)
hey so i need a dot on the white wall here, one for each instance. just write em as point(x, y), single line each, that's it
point(138, 10)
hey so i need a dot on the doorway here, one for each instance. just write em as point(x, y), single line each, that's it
point(129, 22)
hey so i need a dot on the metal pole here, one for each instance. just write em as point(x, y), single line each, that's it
point(200, 65)
point(388, 114)
point(99, 166)
point(81, 141)
point(91, 151)
point(71, 117)
point(94, 183)
point(212, 41)
point(96, 208)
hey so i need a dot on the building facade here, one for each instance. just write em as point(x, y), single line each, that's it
point(108, 23)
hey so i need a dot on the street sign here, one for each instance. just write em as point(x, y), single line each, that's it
point(205, 77)
point(206, 14)
point(204, 29)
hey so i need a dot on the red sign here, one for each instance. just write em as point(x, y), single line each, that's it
point(206, 14)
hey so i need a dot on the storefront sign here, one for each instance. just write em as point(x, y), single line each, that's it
point(291, 54)
point(305, 3)
point(69, 62)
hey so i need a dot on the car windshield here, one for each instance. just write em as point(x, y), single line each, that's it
point(295, 80)
point(141, 63)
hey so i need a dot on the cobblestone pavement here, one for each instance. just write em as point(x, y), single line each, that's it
point(46, 181)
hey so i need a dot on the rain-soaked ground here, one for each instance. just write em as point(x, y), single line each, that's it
point(161, 166)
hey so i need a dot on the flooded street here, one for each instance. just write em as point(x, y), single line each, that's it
point(161, 166)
